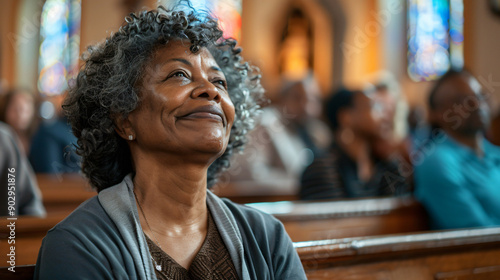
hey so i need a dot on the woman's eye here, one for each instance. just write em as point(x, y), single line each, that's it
point(179, 74)
point(222, 83)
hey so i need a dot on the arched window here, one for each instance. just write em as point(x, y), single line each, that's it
point(59, 45)
point(296, 49)
point(435, 37)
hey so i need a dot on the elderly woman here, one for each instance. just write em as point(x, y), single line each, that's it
point(158, 109)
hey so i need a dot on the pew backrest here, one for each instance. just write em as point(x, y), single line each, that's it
point(347, 218)
point(63, 193)
point(29, 233)
point(456, 254)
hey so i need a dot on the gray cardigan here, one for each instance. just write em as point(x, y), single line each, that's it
point(103, 239)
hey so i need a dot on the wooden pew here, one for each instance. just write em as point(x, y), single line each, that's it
point(63, 193)
point(338, 219)
point(29, 232)
point(249, 192)
point(472, 254)
point(442, 255)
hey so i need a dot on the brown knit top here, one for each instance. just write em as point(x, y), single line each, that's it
point(212, 261)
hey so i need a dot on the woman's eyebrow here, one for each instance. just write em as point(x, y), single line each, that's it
point(182, 60)
point(215, 68)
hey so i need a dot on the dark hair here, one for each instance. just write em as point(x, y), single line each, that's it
point(452, 73)
point(339, 100)
point(106, 88)
point(436, 90)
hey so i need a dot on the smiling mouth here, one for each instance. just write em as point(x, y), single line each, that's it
point(203, 116)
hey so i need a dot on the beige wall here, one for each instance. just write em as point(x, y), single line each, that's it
point(7, 27)
point(99, 19)
point(360, 45)
point(483, 47)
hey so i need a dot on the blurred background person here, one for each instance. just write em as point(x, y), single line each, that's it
point(17, 109)
point(52, 148)
point(288, 136)
point(350, 168)
point(13, 162)
point(418, 129)
point(458, 180)
point(394, 142)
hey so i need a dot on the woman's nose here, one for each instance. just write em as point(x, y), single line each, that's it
point(207, 90)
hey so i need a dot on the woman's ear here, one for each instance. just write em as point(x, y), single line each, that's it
point(124, 128)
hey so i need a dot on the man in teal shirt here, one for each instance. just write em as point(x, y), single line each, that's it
point(458, 180)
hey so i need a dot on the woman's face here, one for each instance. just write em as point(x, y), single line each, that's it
point(185, 108)
point(367, 116)
point(20, 111)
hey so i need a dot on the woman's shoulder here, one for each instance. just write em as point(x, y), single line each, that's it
point(88, 217)
point(266, 243)
point(86, 243)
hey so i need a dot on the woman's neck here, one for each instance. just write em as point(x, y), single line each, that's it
point(172, 198)
point(358, 149)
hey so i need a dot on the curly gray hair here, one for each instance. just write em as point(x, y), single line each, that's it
point(106, 88)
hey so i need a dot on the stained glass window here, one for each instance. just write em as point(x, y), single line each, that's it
point(227, 11)
point(60, 45)
point(435, 37)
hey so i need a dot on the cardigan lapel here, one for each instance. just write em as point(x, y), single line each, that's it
point(118, 201)
point(228, 229)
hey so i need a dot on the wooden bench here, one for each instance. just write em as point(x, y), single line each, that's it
point(347, 218)
point(469, 254)
point(29, 232)
point(249, 192)
point(442, 255)
point(63, 193)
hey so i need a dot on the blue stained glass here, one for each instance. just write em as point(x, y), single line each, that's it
point(435, 37)
point(60, 45)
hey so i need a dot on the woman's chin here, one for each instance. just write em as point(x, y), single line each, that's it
point(213, 146)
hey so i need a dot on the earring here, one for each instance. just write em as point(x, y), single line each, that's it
point(130, 137)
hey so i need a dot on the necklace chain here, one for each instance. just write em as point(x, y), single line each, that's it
point(157, 266)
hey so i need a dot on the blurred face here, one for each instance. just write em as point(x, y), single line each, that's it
point(20, 111)
point(461, 106)
point(387, 104)
point(367, 116)
point(185, 107)
point(302, 102)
